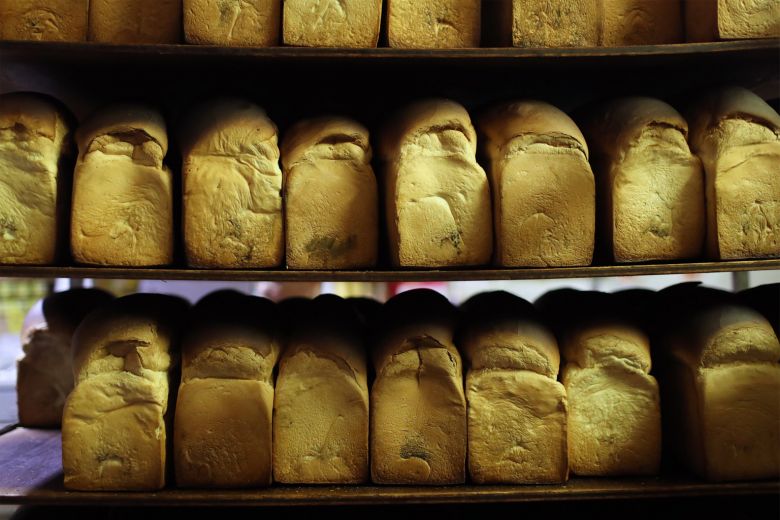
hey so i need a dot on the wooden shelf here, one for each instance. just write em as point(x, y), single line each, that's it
point(32, 474)
point(85, 50)
point(387, 275)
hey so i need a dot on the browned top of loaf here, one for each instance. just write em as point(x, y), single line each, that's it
point(618, 123)
point(422, 117)
point(728, 103)
point(504, 122)
point(65, 310)
point(123, 118)
point(38, 113)
point(223, 125)
point(322, 130)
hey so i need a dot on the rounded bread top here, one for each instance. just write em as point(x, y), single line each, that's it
point(227, 126)
point(728, 103)
point(121, 119)
point(420, 313)
point(231, 335)
point(304, 135)
point(617, 124)
point(502, 330)
point(65, 310)
point(426, 116)
point(133, 333)
point(36, 113)
point(504, 122)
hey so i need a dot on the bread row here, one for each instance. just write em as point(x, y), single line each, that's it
point(504, 390)
point(409, 23)
point(660, 191)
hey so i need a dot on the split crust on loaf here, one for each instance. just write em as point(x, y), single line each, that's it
point(434, 23)
point(332, 23)
point(44, 20)
point(232, 23)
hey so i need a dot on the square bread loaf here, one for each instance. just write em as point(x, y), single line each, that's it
point(418, 407)
point(437, 196)
point(737, 136)
point(232, 22)
point(115, 423)
point(135, 21)
point(321, 158)
point(517, 410)
point(34, 178)
point(544, 194)
point(44, 20)
point(721, 384)
point(122, 211)
point(650, 187)
point(641, 22)
point(232, 186)
point(332, 23)
point(321, 405)
point(438, 24)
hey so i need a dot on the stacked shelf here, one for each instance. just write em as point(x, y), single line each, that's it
point(30, 460)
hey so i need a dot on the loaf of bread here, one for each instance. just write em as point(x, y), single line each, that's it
point(438, 24)
point(44, 376)
point(516, 407)
point(122, 210)
point(34, 178)
point(44, 20)
point(116, 420)
point(331, 199)
point(135, 21)
point(614, 421)
point(321, 402)
point(737, 136)
point(232, 187)
point(223, 424)
point(641, 22)
point(710, 20)
point(437, 197)
point(766, 300)
point(332, 23)
point(234, 23)
point(555, 23)
point(650, 188)
point(721, 384)
point(544, 195)
point(418, 408)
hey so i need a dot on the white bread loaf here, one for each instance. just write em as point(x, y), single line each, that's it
point(437, 197)
point(438, 24)
point(556, 23)
point(418, 408)
point(135, 21)
point(641, 22)
point(321, 401)
point(332, 23)
point(122, 210)
point(650, 187)
point(721, 383)
point(223, 423)
point(737, 136)
point(330, 193)
point(232, 187)
point(114, 426)
point(544, 194)
point(516, 407)
point(232, 23)
point(44, 20)
point(44, 376)
point(34, 178)
point(710, 20)
point(614, 421)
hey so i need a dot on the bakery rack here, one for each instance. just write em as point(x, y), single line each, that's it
point(366, 84)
